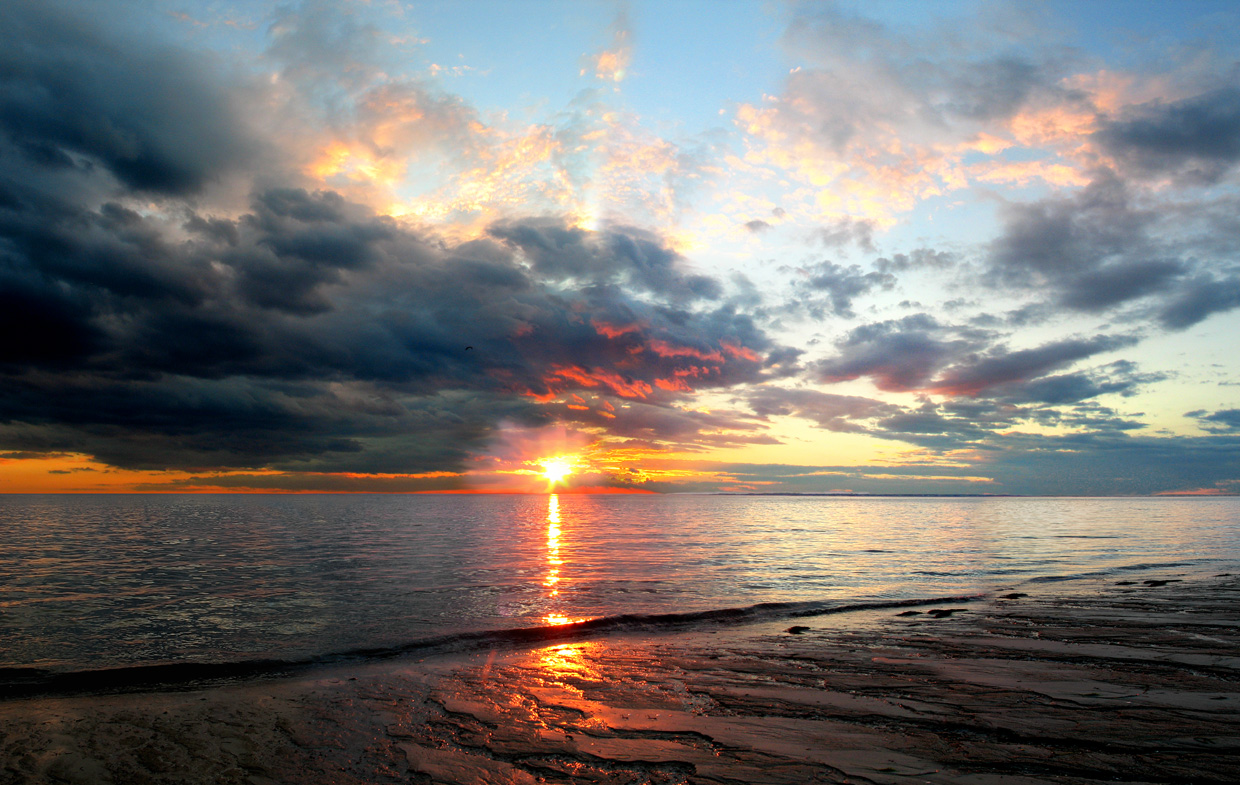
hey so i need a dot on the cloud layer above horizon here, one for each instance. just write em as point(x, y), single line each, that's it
point(291, 247)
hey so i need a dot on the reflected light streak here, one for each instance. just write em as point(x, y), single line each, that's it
point(553, 552)
point(567, 659)
point(554, 562)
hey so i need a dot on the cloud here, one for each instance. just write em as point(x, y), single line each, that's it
point(611, 64)
point(1083, 464)
point(71, 98)
point(899, 355)
point(843, 232)
point(1090, 464)
point(621, 255)
point(1078, 244)
point(172, 324)
point(919, 354)
point(1199, 297)
point(869, 76)
point(878, 117)
point(1096, 250)
point(841, 413)
point(1195, 139)
point(840, 285)
point(312, 259)
point(1121, 377)
point(1223, 420)
point(917, 259)
point(999, 367)
point(310, 332)
point(639, 425)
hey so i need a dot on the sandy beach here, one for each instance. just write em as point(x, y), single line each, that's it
point(1116, 681)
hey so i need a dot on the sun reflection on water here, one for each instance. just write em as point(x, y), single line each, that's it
point(554, 562)
point(553, 547)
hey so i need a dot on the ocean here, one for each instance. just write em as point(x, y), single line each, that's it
point(133, 581)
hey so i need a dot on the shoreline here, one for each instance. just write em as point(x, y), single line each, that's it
point(36, 682)
point(68, 680)
point(1109, 680)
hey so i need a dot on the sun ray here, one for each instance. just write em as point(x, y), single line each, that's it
point(556, 470)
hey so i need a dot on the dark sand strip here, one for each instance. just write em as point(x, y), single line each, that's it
point(1137, 683)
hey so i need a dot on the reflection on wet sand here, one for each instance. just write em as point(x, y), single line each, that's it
point(567, 660)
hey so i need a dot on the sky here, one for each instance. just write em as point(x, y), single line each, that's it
point(685, 246)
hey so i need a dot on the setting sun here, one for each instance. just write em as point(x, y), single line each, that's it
point(556, 469)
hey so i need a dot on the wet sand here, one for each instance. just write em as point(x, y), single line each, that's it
point(1096, 683)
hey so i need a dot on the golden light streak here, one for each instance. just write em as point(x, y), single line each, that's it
point(553, 545)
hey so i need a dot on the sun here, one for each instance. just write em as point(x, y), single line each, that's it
point(556, 469)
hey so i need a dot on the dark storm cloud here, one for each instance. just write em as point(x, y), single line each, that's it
point(1096, 250)
point(307, 334)
point(306, 240)
point(170, 423)
point(51, 324)
point(310, 332)
point(318, 482)
point(72, 97)
point(1196, 139)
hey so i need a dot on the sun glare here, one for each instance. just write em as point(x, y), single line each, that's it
point(556, 469)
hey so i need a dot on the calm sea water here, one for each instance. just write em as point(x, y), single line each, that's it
point(99, 581)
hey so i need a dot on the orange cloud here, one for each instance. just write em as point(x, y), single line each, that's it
point(665, 349)
point(611, 64)
point(742, 352)
point(612, 381)
point(614, 330)
point(676, 384)
point(1024, 172)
